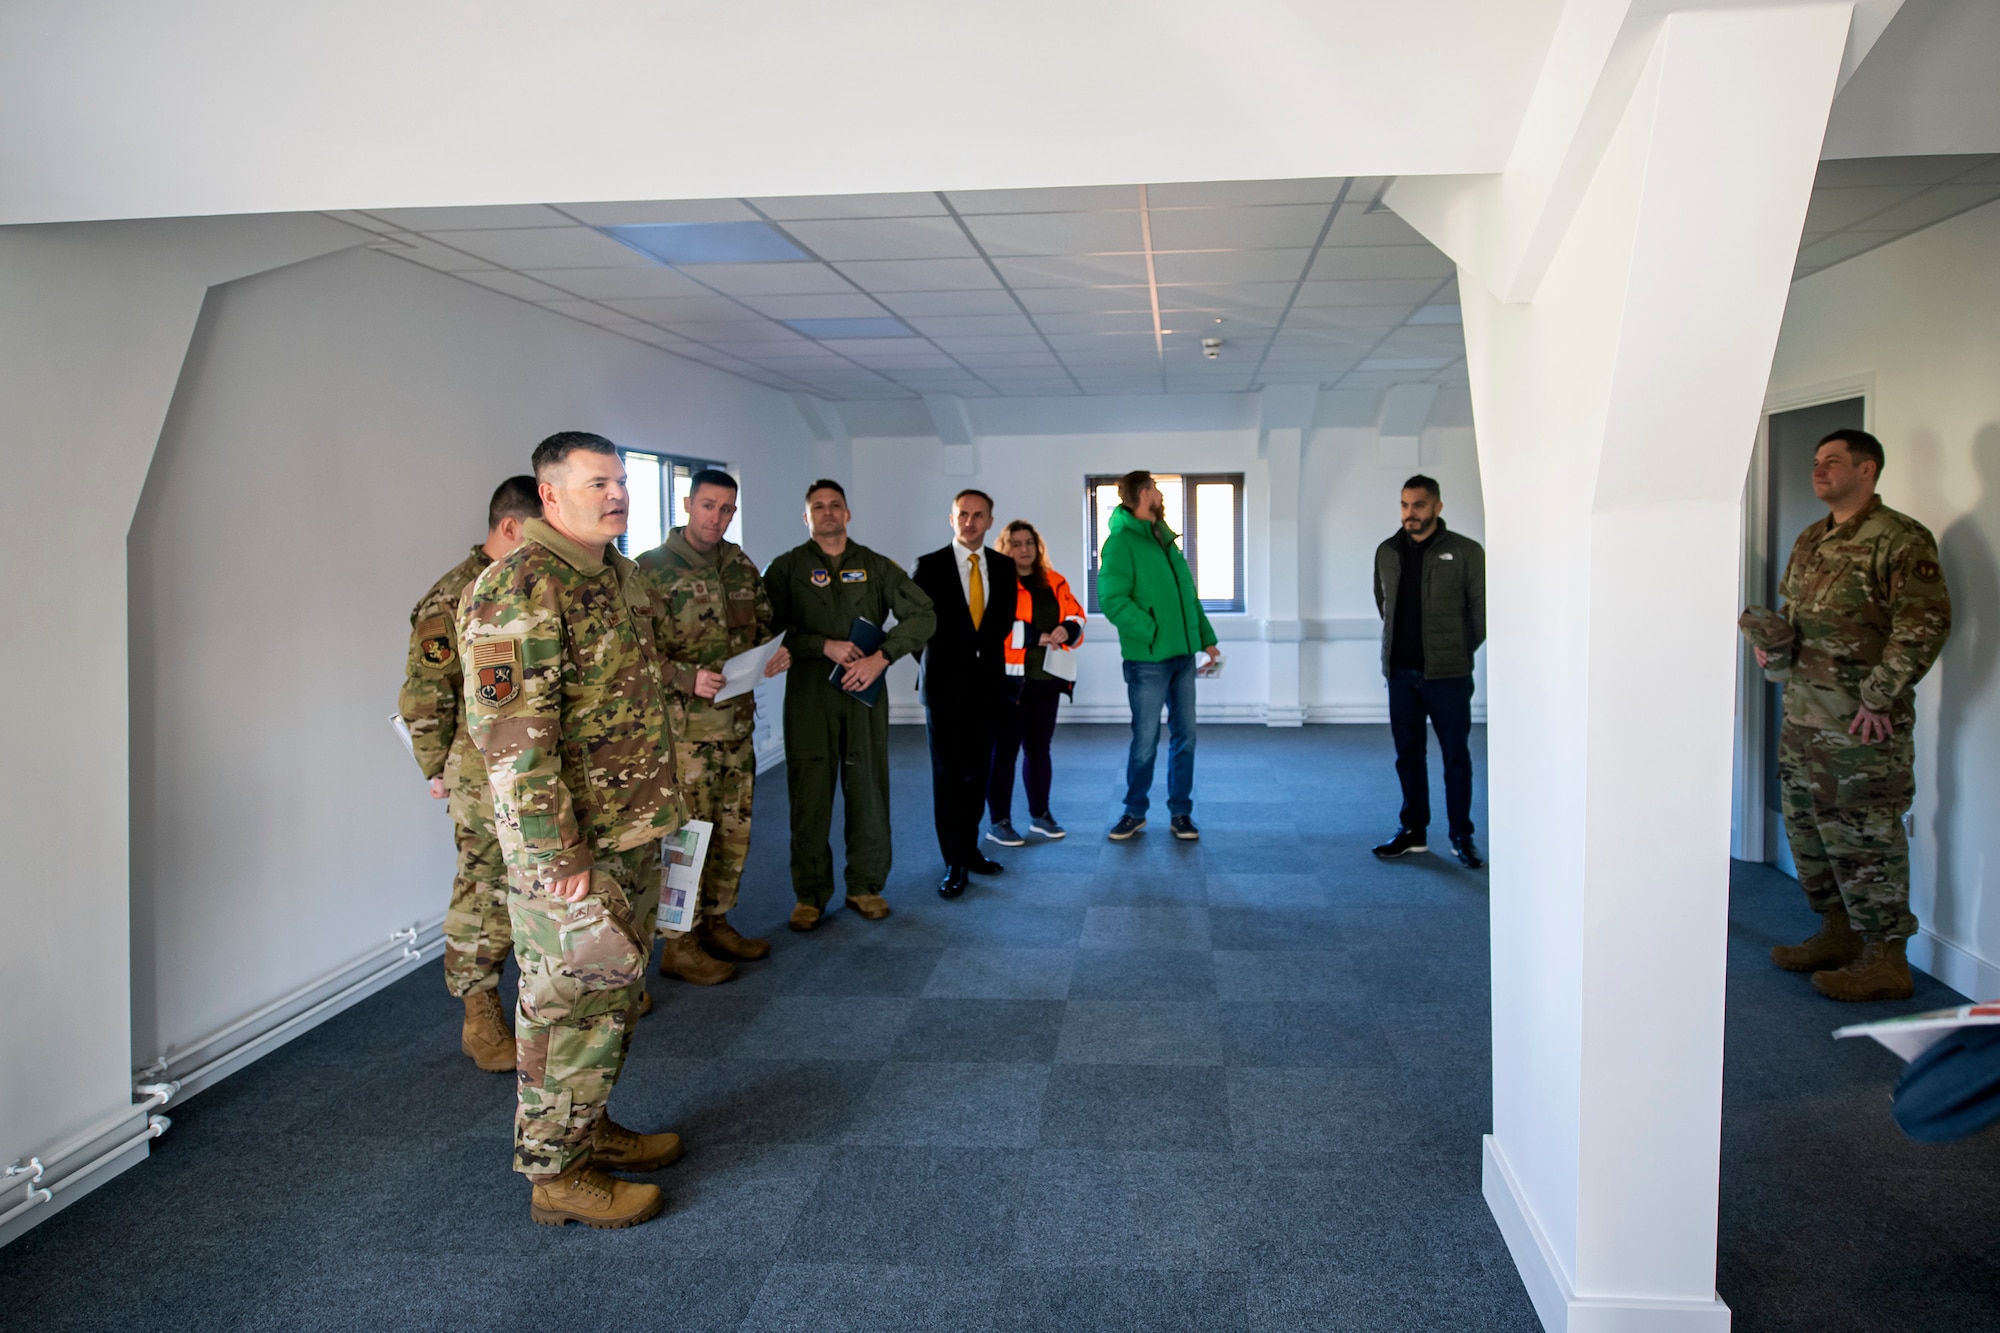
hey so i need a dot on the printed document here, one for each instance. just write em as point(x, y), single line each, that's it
point(741, 673)
point(682, 855)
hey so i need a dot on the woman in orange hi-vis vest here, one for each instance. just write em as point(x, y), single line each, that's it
point(1047, 621)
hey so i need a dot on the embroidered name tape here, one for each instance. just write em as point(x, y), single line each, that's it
point(1444, 555)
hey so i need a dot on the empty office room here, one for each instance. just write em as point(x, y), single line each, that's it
point(1298, 665)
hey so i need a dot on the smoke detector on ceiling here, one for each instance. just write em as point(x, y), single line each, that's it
point(1211, 348)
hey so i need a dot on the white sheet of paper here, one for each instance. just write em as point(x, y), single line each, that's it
point(741, 673)
point(1060, 663)
point(682, 855)
point(403, 731)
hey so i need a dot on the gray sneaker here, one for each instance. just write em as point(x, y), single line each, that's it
point(1003, 833)
point(1046, 826)
point(1126, 826)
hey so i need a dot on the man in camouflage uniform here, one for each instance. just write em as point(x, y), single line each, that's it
point(711, 606)
point(476, 934)
point(1865, 614)
point(566, 702)
point(817, 589)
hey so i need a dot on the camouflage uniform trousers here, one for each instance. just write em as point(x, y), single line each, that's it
point(718, 780)
point(477, 933)
point(1843, 804)
point(571, 1040)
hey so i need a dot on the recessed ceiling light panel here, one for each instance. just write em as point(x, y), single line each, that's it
point(708, 242)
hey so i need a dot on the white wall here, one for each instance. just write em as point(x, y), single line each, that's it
point(329, 453)
point(1921, 317)
point(1033, 454)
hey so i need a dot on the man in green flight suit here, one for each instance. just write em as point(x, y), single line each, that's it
point(710, 605)
point(817, 589)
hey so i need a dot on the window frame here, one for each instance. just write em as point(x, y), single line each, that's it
point(673, 466)
point(1190, 538)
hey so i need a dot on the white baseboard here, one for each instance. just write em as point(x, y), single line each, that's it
point(1956, 966)
point(76, 1168)
point(1560, 1309)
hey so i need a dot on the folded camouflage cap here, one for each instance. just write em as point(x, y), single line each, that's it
point(1766, 628)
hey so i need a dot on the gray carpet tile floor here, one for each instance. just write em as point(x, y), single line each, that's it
point(1233, 1084)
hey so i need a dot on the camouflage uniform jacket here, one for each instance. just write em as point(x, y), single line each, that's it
point(433, 680)
point(1869, 605)
point(564, 699)
point(707, 608)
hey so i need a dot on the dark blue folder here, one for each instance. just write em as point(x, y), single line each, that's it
point(866, 635)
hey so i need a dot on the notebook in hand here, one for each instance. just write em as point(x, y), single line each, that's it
point(868, 636)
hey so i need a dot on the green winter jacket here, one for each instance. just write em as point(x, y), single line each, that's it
point(1145, 589)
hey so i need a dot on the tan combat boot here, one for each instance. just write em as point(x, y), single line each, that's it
point(1834, 944)
point(870, 905)
point(485, 1036)
point(645, 1003)
point(616, 1148)
point(723, 940)
point(804, 917)
point(1880, 973)
point(592, 1198)
point(682, 957)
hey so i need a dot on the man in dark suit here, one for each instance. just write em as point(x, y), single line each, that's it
point(964, 680)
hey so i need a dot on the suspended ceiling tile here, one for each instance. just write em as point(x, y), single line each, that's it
point(1932, 206)
point(985, 327)
point(1269, 228)
point(985, 361)
point(1425, 364)
point(597, 284)
point(1228, 295)
point(726, 330)
point(799, 207)
point(884, 238)
point(1231, 266)
point(1426, 335)
point(1219, 194)
point(1072, 270)
point(1357, 226)
point(920, 275)
point(1084, 300)
point(1119, 322)
point(830, 306)
point(1070, 199)
point(1912, 171)
point(978, 344)
point(871, 347)
point(423, 250)
point(1376, 317)
point(1830, 210)
point(642, 213)
point(677, 310)
point(464, 219)
point(363, 220)
point(1057, 233)
point(1987, 171)
point(547, 247)
point(798, 279)
point(589, 312)
point(1381, 261)
point(1844, 245)
point(514, 284)
point(1366, 291)
point(991, 301)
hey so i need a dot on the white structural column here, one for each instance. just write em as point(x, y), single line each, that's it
point(94, 324)
point(1286, 418)
point(1616, 405)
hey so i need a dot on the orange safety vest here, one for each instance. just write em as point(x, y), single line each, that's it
point(1024, 619)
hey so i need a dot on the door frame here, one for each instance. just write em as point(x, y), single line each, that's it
point(1749, 831)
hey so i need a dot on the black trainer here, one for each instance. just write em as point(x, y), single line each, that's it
point(1402, 844)
point(1184, 829)
point(1126, 826)
point(1045, 824)
point(1003, 833)
point(1467, 852)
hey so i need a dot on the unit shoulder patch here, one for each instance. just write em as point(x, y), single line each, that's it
point(496, 669)
point(821, 579)
point(1927, 571)
point(434, 643)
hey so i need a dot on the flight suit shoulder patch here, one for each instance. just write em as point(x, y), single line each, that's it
point(821, 579)
point(496, 666)
point(854, 576)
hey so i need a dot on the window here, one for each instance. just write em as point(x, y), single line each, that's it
point(1206, 509)
point(659, 484)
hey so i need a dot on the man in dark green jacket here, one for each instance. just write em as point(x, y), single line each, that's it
point(1430, 588)
point(1146, 591)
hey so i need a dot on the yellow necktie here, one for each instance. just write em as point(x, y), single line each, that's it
point(978, 597)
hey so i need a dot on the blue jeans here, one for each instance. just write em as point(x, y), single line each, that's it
point(1147, 686)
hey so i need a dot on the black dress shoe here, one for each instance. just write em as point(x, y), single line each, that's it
point(1402, 844)
point(984, 865)
point(954, 882)
point(1467, 852)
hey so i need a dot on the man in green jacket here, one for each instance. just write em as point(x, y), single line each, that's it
point(1146, 592)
